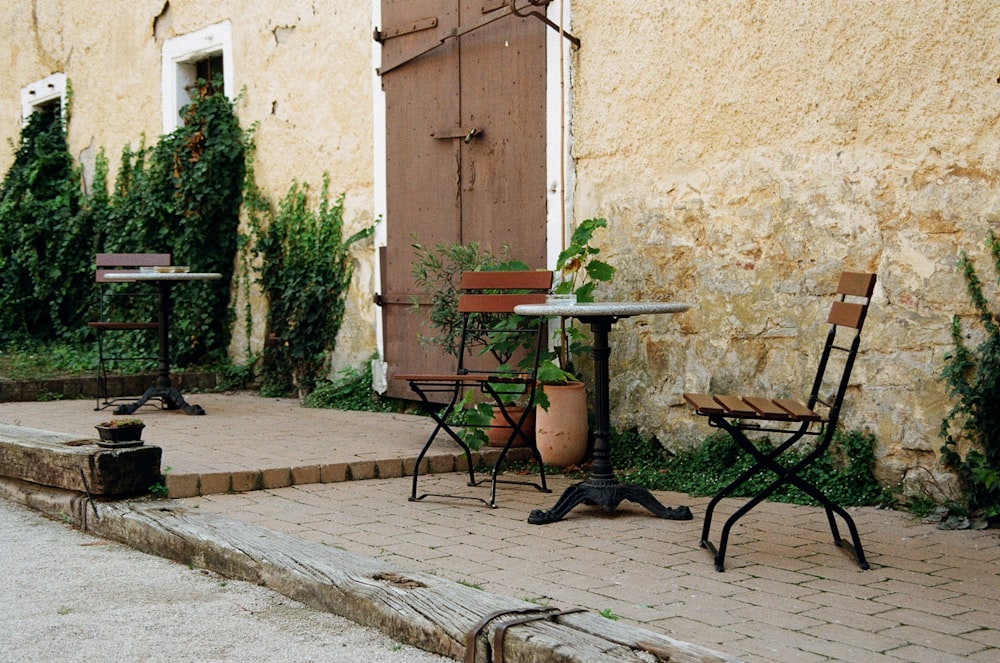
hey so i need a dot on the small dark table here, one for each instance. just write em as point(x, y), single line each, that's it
point(602, 488)
point(164, 389)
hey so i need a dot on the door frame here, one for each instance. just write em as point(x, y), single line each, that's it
point(559, 165)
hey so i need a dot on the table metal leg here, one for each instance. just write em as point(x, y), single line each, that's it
point(602, 488)
point(164, 389)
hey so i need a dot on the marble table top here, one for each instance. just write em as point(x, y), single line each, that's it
point(601, 309)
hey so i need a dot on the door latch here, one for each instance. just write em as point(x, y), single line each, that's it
point(466, 136)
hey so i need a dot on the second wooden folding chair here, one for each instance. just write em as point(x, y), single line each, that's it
point(498, 358)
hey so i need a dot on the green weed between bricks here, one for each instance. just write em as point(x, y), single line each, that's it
point(844, 473)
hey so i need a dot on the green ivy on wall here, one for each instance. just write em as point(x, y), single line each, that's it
point(305, 271)
point(971, 430)
point(182, 195)
point(46, 276)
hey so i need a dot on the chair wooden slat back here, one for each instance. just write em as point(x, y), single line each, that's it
point(494, 295)
point(852, 313)
point(107, 262)
point(507, 372)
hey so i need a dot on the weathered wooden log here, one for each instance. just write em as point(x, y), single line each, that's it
point(416, 608)
point(67, 461)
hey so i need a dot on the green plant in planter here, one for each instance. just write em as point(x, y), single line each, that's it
point(437, 273)
point(123, 423)
point(580, 272)
point(119, 431)
point(579, 269)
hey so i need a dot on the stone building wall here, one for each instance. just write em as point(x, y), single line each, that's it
point(302, 70)
point(746, 152)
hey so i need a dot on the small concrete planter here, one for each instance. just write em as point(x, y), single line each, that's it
point(117, 434)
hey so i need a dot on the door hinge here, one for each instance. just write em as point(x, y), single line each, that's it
point(405, 29)
point(452, 33)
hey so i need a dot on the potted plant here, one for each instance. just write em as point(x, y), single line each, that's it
point(120, 433)
point(561, 427)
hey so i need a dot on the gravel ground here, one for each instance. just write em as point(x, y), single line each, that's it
point(68, 596)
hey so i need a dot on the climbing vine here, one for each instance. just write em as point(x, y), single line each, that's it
point(45, 245)
point(972, 376)
point(305, 271)
point(182, 195)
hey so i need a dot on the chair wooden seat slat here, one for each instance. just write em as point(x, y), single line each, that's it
point(766, 407)
point(487, 299)
point(739, 414)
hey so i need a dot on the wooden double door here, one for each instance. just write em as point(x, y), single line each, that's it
point(464, 84)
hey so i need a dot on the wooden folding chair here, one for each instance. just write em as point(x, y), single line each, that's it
point(122, 309)
point(492, 340)
point(739, 415)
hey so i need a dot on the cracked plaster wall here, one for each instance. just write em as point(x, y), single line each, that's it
point(746, 152)
point(303, 70)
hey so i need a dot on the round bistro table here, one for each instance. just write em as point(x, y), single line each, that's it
point(164, 389)
point(602, 488)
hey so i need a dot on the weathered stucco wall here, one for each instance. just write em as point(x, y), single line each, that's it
point(746, 152)
point(303, 72)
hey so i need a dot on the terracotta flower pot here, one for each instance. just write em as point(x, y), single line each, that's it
point(499, 430)
point(561, 431)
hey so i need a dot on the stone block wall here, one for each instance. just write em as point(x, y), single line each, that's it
point(745, 153)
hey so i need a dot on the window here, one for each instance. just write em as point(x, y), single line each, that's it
point(47, 95)
point(197, 55)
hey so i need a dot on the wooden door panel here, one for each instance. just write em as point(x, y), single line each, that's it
point(503, 170)
point(439, 187)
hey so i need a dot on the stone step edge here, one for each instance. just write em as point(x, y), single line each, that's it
point(195, 484)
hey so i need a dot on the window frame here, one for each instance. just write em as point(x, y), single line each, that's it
point(180, 56)
point(42, 92)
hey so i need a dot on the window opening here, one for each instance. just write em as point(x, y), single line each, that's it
point(47, 96)
point(204, 54)
point(209, 70)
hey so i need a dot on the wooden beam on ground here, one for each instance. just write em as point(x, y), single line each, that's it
point(420, 609)
point(73, 463)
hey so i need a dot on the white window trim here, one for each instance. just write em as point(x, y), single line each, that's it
point(179, 55)
point(42, 92)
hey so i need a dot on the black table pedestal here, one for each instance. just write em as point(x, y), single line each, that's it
point(164, 389)
point(602, 488)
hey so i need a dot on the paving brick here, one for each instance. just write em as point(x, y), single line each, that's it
point(333, 472)
point(244, 480)
point(389, 469)
point(305, 474)
point(276, 477)
point(216, 482)
point(181, 485)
